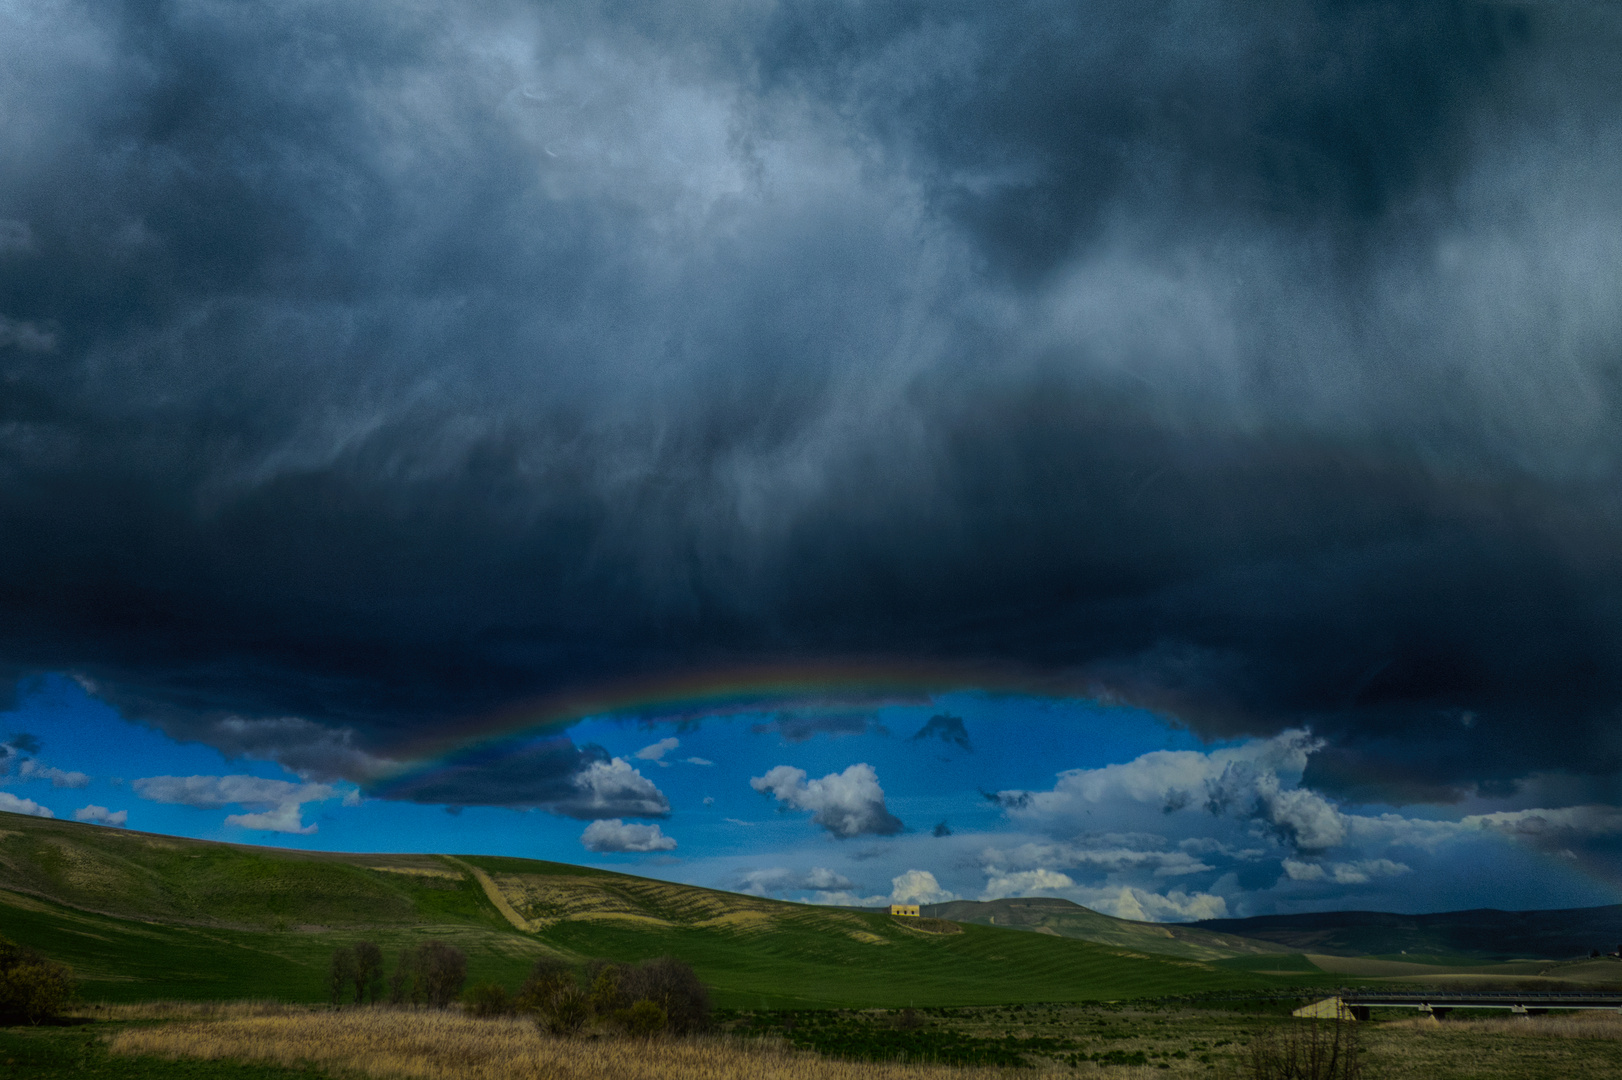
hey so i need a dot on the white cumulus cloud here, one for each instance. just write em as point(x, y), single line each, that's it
point(918, 887)
point(286, 818)
point(12, 803)
point(612, 834)
point(847, 804)
point(101, 815)
point(1025, 883)
point(613, 788)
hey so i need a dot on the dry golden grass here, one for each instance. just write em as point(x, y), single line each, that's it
point(1538, 1048)
point(448, 1046)
point(1592, 1024)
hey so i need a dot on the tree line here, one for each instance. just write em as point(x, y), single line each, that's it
point(429, 974)
point(643, 999)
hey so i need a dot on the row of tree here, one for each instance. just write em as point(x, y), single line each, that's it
point(657, 995)
point(429, 974)
point(642, 999)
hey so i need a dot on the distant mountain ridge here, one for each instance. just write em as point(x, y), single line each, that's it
point(1486, 933)
point(1062, 918)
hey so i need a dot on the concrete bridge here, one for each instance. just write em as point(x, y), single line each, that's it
point(1357, 1006)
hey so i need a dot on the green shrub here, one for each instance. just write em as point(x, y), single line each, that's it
point(607, 992)
point(546, 979)
point(552, 995)
point(642, 1020)
point(488, 999)
point(32, 988)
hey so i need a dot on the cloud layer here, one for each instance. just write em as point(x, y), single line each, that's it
point(368, 368)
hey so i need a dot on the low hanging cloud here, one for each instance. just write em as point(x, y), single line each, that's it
point(614, 835)
point(272, 805)
point(1106, 853)
point(846, 804)
point(1025, 883)
point(1240, 825)
point(16, 805)
point(100, 815)
point(775, 881)
point(1142, 905)
point(1257, 782)
point(1343, 873)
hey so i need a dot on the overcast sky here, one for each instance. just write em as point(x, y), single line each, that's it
point(1208, 414)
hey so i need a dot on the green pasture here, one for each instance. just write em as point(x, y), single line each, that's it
point(151, 917)
point(796, 966)
point(789, 967)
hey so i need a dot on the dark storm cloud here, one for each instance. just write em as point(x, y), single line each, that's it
point(549, 774)
point(798, 728)
point(364, 369)
point(948, 729)
point(21, 742)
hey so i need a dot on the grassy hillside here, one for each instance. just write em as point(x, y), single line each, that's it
point(145, 916)
point(1061, 918)
point(1450, 935)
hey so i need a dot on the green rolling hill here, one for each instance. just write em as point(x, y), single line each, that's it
point(143, 916)
point(1062, 918)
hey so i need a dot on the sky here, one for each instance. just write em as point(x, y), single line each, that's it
point(1160, 454)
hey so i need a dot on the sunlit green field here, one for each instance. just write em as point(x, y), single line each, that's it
point(144, 917)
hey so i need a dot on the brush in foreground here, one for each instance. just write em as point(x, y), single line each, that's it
point(434, 1045)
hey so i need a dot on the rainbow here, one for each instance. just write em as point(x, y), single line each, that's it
point(692, 695)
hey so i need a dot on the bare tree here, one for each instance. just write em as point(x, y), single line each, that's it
point(1307, 1050)
point(368, 972)
point(341, 974)
point(430, 974)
